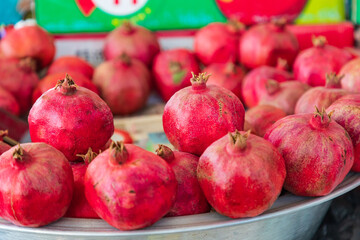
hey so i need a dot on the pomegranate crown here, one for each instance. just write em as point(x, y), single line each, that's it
point(325, 118)
point(319, 41)
point(18, 153)
point(333, 81)
point(235, 25)
point(202, 78)
point(282, 64)
point(272, 86)
point(89, 156)
point(66, 85)
point(118, 152)
point(279, 22)
point(165, 153)
point(127, 27)
point(238, 140)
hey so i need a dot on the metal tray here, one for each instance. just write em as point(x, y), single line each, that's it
point(291, 217)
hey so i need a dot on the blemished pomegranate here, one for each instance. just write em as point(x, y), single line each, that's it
point(18, 78)
point(255, 173)
point(254, 83)
point(261, 118)
point(145, 182)
point(36, 184)
point(345, 111)
point(50, 80)
point(312, 64)
point(227, 75)
point(198, 115)
point(350, 73)
point(29, 42)
point(322, 97)
point(136, 41)
point(318, 152)
point(71, 64)
point(218, 42)
point(80, 207)
point(8, 102)
point(263, 44)
point(189, 197)
point(3, 146)
point(71, 119)
point(283, 95)
point(124, 84)
point(172, 71)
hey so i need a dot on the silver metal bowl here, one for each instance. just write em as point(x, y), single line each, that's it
point(291, 217)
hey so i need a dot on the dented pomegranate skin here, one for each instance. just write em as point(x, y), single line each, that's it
point(71, 119)
point(135, 41)
point(172, 71)
point(318, 152)
point(37, 185)
point(145, 182)
point(263, 44)
point(261, 118)
point(189, 197)
point(255, 173)
point(71, 64)
point(218, 42)
point(351, 76)
point(124, 84)
point(50, 80)
point(198, 115)
point(18, 79)
point(29, 41)
point(254, 82)
point(345, 111)
point(8, 102)
point(226, 75)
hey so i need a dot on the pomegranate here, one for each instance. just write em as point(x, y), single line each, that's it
point(80, 207)
point(71, 64)
point(284, 95)
point(255, 173)
point(322, 97)
point(351, 76)
point(3, 146)
point(249, 127)
point(137, 42)
point(263, 44)
point(254, 82)
point(36, 185)
point(145, 182)
point(198, 115)
point(18, 78)
point(227, 75)
point(172, 71)
point(345, 111)
point(8, 102)
point(318, 152)
point(262, 117)
point(189, 197)
point(29, 41)
point(218, 42)
point(121, 135)
point(311, 65)
point(50, 81)
point(124, 84)
point(71, 119)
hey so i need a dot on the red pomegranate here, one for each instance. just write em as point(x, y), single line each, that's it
point(263, 44)
point(124, 84)
point(322, 97)
point(284, 95)
point(254, 83)
point(3, 146)
point(71, 119)
point(311, 65)
point(227, 75)
point(36, 185)
point(145, 182)
point(218, 42)
point(137, 42)
point(345, 111)
point(29, 41)
point(18, 78)
point(255, 173)
point(80, 207)
point(8, 102)
point(350, 73)
point(189, 197)
point(318, 152)
point(251, 12)
point(198, 115)
point(50, 80)
point(262, 117)
point(71, 64)
point(172, 71)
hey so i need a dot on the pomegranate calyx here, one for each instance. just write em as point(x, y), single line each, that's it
point(177, 72)
point(333, 81)
point(320, 119)
point(272, 86)
point(127, 27)
point(28, 64)
point(125, 59)
point(198, 82)
point(89, 156)
point(67, 85)
point(118, 152)
point(279, 23)
point(319, 41)
point(238, 140)
point(235, 25)
point(230, 68)
point(282, 64)
point(18, 153)
point(165, 153)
